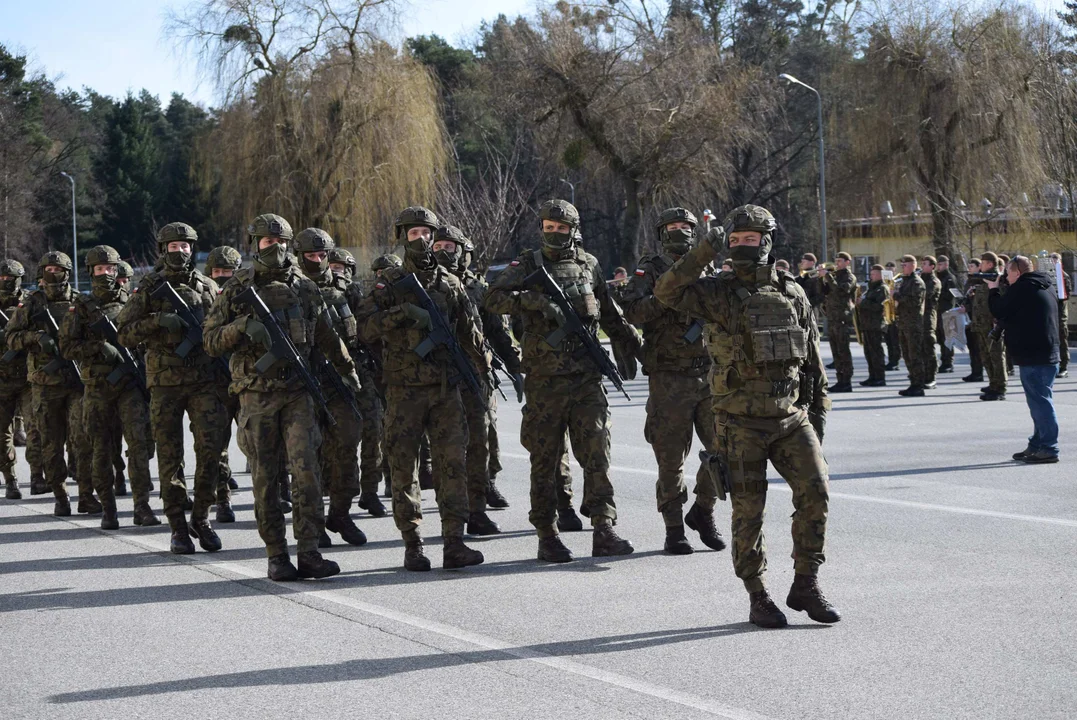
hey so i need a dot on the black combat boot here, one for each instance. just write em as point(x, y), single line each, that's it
point(38, 486)
point(806, 596)
point(605, 542)
point(912, 391)
point(225, 513)
point(144, 516)
point(455, 554)
point(62, 507)
point(120, 488)
point(702, 521)
point(414, 557)
point(232, 484)
point(88, 504)
point(676, 543)
point(892, 366)
point(12, 492)
point(551, 549)
point(324, 541)
point(281, 569)
point(974, 377)
point(426, 477)
point(479, 523)
point(494, 498)
point(568, 520)
point(370, 502)
point(207, 538)
point(181, 543)
point(109, 521)
point(18, 437)
point(842, 387)
point(339, 520)
point(311, 564)
point(946, 368)
point(991, 395)
point(764, 612)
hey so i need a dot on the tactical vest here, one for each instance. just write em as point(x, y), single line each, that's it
point(400, 363)
point(45, 369)
point(12, 362)
point(340, 313)
point(161, 354)
point(574, 276)
point(665, 346)
point(91, 305)
point(757, 359)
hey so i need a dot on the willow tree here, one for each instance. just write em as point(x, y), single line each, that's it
point(322, 122)
point(944, 109)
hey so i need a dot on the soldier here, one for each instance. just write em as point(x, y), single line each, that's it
point(115, 400)
point(380, 265)
point(13, 386)
point(423, 395)
point(564, 389)
point(340, 440)
point(1063, 320)
point(808, 279)
point(675, 362)
point(932, 292)
point(909, 317)
point(839, 293)
point(976, 367)
point(342, 265)
point(222, 263)
point(947, 282)
point(277, 416)
point(992, 350)
point(182, 378)
point(893, 337)
point(872, 319)
point(57, 389)
point(770, 400)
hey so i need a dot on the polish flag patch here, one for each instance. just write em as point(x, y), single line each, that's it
point(379, 286)
point(514, 263)
point(641, 273)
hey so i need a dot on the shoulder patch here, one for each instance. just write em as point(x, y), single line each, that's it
point(640, 272)
point(71, 309)
point(514, 263)
point(20, 304)
point(380, 286)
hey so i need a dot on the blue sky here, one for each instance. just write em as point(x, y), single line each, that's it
point(116, 45)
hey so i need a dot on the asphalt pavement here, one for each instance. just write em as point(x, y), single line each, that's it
point(952, 565)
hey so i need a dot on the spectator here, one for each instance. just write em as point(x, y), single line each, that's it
point(782, 265)
point(1028, 313)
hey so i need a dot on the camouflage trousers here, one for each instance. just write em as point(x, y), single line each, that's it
point(931, 363)
point(790, 444)
point(893, 344)
point(58, 414)
point(839, 346)
point(492, 441)
point(912, 347)
point(224, 466)
point(209, 424)
point(993, 356)
point(10, 404)
point(277, 428)
point(33, 435)
point(678, 407)
point(873, 353)
point(563, 482)
point(576, 403)
point(410, 412)
point(339, 466)
point(118, 414)
point(370, 452)
point(476, 410)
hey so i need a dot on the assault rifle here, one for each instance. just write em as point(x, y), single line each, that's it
point(574, 326)
point(130, 365)
point(440, 335)
point(58, 362)
point(320, 361)
point(193, 337)
point(694, 332)
point(282, 348)
point(10, 354)
point(498, 365)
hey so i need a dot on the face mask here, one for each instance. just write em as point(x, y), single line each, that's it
point(446, 259)
point(678, 241)
point(274, 256)
point(556, 240)
point(51, 278)
point(315, 268)
point(748, 256)
point(177, 260)
point(9, 286)
point(340, 272)
point(105, 283)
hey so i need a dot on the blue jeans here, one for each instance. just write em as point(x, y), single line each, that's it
point(1038, 382)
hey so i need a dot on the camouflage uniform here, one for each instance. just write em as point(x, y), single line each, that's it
point(873, 326)
point(376, 443)
point(57, 389)
point(423, 396)
point(192, 384)
point(932, 293)
point(769, 393)
point(909, 317)
point(277, 417)
point(839, 291)
point(564, 389)
point(679, 400)
point(13, 386)
point(114, 405)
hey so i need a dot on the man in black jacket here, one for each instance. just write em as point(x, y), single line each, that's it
point(1028, 313)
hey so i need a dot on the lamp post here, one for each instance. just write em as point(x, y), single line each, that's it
point(74, 232)
point(571, 189)
point(822, 159)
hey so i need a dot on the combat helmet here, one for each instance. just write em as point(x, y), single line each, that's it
point(59, 259)
point(14, 271)
point(124, 271)
point(340, 256)
point(677, 242)
point(269, 225)
point(223, 258)
point(750, 218)
point(384, 262)
point(313, 240)
point(560, 211)
point(412, 216)
point(176, 232)
point(102, 255)
point(450, 260)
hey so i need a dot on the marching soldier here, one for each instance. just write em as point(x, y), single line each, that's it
point(872, 318)
point(379, 266)
point(182, 378)
point(839, 292)
point(564, 390)
point(909, 299)
point(423, 395)
point(932, 292)
point(770, 400)
point(13, 386)
point(676, 363)
point(277, 416)
point(115, 400)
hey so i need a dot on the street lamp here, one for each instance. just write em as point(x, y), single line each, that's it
point(74, 232)
point(572, 189)
point(822, 158)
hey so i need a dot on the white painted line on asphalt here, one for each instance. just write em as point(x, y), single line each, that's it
point(957, 510)
point(459, 634)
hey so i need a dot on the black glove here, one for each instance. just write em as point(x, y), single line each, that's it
point(110, 354)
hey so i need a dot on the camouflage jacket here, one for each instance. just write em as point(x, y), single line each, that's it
point(980, 316)
point(581, 276)
point(491, 324)
point(870, 311)
point(83, 345)
point(839, 295)
point(298, 306)
point(909, 296)
point(932, 295)
point(809, 283)
point(138, 325)
point(760, 333)
point(27, 326)
point(664, 345)
point(382, 319)
point(13, 370)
